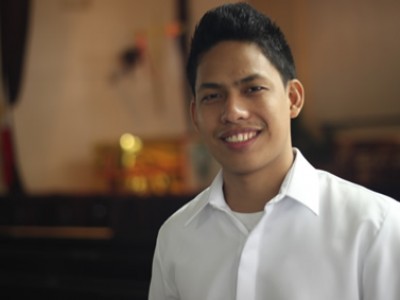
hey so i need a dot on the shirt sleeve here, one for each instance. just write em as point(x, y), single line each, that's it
point(159, 281)
point(381, 276)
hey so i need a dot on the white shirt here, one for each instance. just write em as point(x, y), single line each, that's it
point(321, 237)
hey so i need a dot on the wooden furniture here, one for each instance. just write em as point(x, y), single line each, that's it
point(79, 247)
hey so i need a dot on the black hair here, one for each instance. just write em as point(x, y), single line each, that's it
point(240, 22)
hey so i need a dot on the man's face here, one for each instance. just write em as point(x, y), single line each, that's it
point(242, 109)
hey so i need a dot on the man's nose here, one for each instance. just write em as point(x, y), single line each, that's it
point(234, 109)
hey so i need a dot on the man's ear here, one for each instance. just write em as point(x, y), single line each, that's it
point(296, 97)
point(193, 114)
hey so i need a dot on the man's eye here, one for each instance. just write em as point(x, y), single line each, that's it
point(210, 97)
point(254, 89)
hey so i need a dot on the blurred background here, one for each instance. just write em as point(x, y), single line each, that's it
point(97, 149)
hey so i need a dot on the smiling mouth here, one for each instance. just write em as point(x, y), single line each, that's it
point(240, 137)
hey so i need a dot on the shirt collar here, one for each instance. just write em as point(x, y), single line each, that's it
point(300, 184)
point(213, 195)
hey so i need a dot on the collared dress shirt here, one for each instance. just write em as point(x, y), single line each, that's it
point(320, 238)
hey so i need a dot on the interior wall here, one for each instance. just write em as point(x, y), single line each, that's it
point(347, 56)
point(354, 54)
point(76, 94)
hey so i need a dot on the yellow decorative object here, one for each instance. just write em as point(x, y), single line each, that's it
point(147, 166)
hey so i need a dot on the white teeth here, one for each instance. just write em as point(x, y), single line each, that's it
point(241, 137)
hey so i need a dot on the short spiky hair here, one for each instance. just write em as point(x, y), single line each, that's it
point(240, 22)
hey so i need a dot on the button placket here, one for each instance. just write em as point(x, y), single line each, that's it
point(249, 259)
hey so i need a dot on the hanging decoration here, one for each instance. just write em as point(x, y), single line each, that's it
point(130, 57)
point(14, 17)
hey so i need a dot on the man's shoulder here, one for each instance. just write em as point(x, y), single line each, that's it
point(338, 184)
point(357, 199)
point(184, 214)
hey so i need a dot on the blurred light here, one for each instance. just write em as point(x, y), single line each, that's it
point(130, 143)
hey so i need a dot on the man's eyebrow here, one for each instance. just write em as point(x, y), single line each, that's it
point(250, 78)
point(247, 79)
point(209, 85)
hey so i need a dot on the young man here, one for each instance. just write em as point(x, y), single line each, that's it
point(270, 226)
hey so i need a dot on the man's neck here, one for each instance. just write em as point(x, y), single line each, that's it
point(250, 192)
